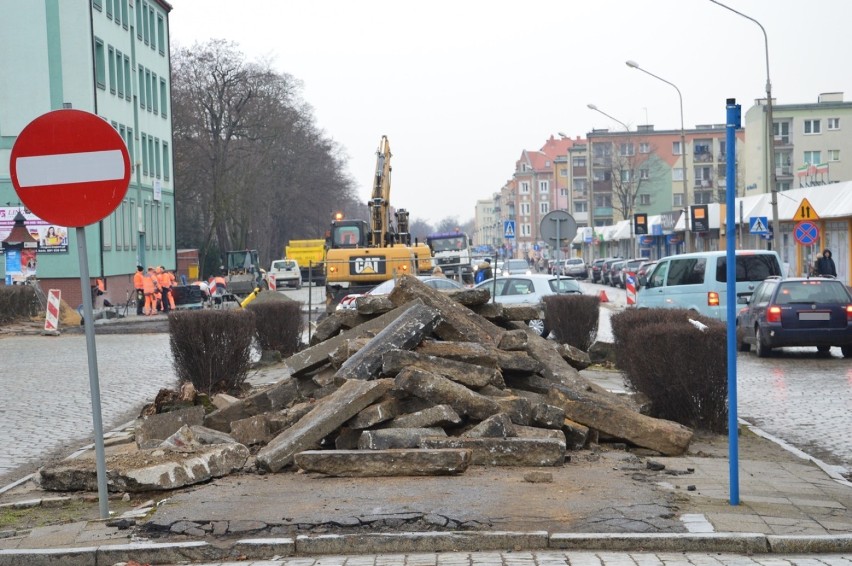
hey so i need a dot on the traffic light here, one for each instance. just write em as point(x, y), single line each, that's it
point(640, 224)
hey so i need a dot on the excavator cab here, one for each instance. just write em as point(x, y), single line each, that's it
point(348, 234)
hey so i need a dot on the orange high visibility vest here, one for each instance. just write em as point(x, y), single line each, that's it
point(138, 280)
point(149, 283)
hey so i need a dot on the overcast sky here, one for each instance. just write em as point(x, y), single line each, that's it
point(462, 87)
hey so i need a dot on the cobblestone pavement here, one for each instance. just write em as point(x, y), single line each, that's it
point(554, 558)
point(46, 403)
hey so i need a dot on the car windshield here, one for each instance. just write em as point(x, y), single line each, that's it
point(563, 285)
point(278, 265)
point(447, 244)
point(811, 291)
point(516, 264)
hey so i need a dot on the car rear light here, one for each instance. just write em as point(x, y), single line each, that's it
point(712, 299)
point(773, 314)
point(848, 313)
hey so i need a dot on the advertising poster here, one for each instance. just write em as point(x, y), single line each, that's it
point(51, 238)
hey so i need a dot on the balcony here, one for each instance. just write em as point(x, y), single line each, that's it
point(784, 171)
point(605, 161)
point(602, 212)
point(782, 141)
point(703, 183)
point(579, 172)
point(703, 157)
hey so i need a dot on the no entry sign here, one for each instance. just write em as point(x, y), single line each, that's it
point(70, 167)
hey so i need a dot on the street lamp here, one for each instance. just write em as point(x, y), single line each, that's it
point(770, 129)
point(591, 201)
point(627, 129)
point(687, 239)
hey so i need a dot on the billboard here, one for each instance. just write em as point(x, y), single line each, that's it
point(51, 238)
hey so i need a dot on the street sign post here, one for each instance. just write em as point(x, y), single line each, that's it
point(555, 227)
point(72, 168)
point(806, 233)
point(509, 229)
point(805, 212)
point(758, 225)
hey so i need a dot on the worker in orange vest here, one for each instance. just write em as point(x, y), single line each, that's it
point(138, 277)
point(150, 287)
point(165, 280)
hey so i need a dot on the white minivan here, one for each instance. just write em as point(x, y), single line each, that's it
point(697, 281)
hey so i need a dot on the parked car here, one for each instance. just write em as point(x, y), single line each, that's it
point(575, 267)
point(439, 283)
point(285, 273)
point(606, 276)
point(515, 267)
point(596, 267)
point(698, 281)
point(614, 273)
point(629, 266)
point(797, 311)
point(520, 289)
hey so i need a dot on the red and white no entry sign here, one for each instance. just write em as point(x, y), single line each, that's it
point(70, 167)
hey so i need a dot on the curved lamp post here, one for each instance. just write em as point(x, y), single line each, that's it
point(770, 129)
point(687, 240)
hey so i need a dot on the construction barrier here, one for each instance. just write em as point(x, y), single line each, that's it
point(603, 297)
point(51, 321)
point(630, 287)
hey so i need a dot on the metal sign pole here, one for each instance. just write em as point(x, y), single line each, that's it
point(94, 386)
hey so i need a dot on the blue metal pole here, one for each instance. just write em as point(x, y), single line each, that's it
point(732, 124)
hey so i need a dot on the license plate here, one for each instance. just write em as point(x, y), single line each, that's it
point(814, 316)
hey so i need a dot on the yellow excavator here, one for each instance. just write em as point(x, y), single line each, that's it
point(359, 255)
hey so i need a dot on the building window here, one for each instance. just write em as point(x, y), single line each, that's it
point(148, 93)
point(644, 199)
point(580, 185)
point(157, 157)
point(119, 226)
point(626, 149)
point(124, 21)
point(525, 209)
point(834, 123)
point(144, 154)
point(834, 155)
point(644, 173)
point(141, 87)
point(543, 207)
point(167, 224)
point(626, 175)
point(106, 228)
point(97, 5)
point(166, 158)
point(812, 157)
point(677, 174)
point(109, 9)
point(154, 96)
point(111, 64)
point(581, 206)
point(644, 147)
point(563, 171)
point(677, 199)
point(139, 19)
point(579, 162)
point(130, 147)
point(812, 126)
point(100, 64)
point(127, 79)
point(119, 73)
point(543, 186)
point(145, 30)
point(151, 21)
point(161, 34)
point(676, 148)
point(525, 188)
point(130, 222)
point(604, 201)
point(147, 219)
point(525, 230)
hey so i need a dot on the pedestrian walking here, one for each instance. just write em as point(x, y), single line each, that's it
point(484, 271)
point(825, 264)
point(138, 279)
point(150, 286)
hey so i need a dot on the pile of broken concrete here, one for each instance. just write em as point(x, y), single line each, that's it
point(415, 383)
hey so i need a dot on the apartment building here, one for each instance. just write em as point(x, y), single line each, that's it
point(110, 58)
point(809, 144)
point(485, 222)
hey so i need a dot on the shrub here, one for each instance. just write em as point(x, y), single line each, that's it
point(573, 319)
point(679, 367)
point(18, 302)
point(279, 325)
point(212, 348)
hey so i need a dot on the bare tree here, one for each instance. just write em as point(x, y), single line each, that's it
point(252, 169)
point(630, 170)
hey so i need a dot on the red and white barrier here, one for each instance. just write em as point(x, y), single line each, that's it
point(630, 287)
point(51, 321)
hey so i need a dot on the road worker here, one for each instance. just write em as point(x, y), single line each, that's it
point(138, 277)
point(166, 280)
point(150, 286)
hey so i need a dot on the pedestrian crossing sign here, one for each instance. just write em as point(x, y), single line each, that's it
point(758, 225)
point(509, 229)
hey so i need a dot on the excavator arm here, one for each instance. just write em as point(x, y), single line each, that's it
point(380, 200)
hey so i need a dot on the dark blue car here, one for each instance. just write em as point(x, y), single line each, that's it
point(797, 311)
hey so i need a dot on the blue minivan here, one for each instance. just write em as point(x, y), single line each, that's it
point(698, 281)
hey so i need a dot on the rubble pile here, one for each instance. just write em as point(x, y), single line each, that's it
point(415, 383)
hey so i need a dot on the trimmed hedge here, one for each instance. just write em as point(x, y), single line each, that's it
point(682, 369)
point(573, 319)
point(212, 348)
point(18, 302)
point(279, 325)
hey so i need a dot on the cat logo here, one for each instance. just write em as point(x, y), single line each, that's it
point(367, 265)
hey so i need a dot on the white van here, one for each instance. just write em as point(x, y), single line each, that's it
point(698, 281)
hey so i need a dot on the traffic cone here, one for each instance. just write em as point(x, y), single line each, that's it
point(603, 297)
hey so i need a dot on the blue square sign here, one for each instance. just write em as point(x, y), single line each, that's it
point(509, 229)
point(758, 225)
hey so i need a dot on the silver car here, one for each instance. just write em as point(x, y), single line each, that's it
point(575, 267)
point(530, 289)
